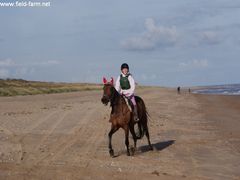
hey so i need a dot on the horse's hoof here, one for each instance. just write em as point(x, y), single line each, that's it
point(128, 153)
point(132, 149)
point(111, 152)
point(151, 148)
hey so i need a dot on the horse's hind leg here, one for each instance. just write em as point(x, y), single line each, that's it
point(112, 131)
point(126, 129)
point(133, 135)
point(148, 137)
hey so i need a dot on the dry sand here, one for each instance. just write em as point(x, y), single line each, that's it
point(64, 136)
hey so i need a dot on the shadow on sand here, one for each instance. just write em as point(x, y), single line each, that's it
point(142, 149)
point(157, 146)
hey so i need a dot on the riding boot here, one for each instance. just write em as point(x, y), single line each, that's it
point(136, 119)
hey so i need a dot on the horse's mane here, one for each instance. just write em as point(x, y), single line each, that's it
point(117, 100)
point(115, 96)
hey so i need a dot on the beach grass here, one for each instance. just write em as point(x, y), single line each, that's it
point(15, 87)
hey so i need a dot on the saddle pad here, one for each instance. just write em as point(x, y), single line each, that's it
point(128, 104)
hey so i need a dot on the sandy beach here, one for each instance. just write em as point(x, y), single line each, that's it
point(64, 136)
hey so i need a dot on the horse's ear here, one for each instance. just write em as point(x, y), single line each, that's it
point(111, 80)
point(104, 80)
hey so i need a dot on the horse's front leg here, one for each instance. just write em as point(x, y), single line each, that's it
point(112, 131)
point(126, 129)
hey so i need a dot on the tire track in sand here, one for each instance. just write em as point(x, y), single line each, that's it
point(41, 121)
point(79, 137)
point(29, 132)
point(95, 137)
point(35, 152)
point(67, 141)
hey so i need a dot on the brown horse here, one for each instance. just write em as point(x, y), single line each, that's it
point(122, 117)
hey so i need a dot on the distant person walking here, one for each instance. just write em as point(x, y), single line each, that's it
point(178, 89)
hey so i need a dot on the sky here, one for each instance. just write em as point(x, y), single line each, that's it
point(165, 42)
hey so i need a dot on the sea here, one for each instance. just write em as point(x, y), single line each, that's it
point(229, 89)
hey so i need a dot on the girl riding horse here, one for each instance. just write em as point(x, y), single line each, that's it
point(125, 85)
point(122, 117)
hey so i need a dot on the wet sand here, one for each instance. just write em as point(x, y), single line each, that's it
point(64, 136)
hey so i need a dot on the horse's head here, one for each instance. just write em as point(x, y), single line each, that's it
point(107, 91)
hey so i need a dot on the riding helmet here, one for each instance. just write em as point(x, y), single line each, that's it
point(124, 65)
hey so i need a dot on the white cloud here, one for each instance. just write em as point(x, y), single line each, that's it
point(21, 71)
point(194, 64)
point(146, 77)
point(137, 43)
point(10, 63)
point(209, 37)
point(45, 63)
point(153, 37)
point(10, 69)
point(7, 63)
point(4, 73)
point(53, 62)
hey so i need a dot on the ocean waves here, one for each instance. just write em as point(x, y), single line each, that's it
point(232, 89)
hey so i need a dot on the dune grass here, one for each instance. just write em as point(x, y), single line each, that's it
point(14, 87)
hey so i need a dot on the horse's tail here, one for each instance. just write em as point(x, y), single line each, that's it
point(143, 120)
point(148, 115)
point(140, 133)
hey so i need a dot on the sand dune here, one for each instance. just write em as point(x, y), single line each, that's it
point(64, 136)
